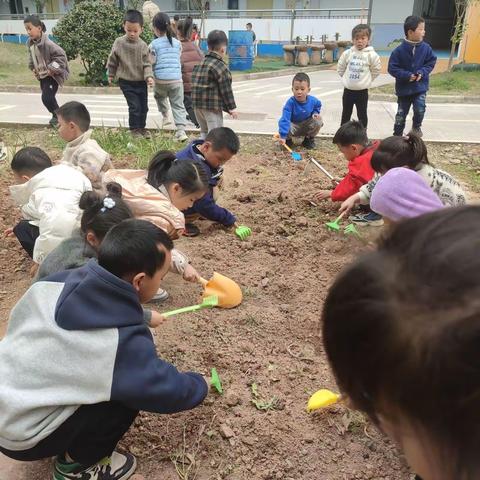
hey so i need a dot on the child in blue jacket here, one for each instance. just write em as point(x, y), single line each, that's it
point(411, 64)
point(78, 362)
point(301, 114)
point(219, 146)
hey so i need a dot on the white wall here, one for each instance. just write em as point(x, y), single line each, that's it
point(16, 26)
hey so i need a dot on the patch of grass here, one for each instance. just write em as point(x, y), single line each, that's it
point(262, 403)
point(264, 64)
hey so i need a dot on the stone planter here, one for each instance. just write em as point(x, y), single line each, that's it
point(316, 56)
point(342, 46)
point(289, 54)
point(303, 59)
point(329, 48)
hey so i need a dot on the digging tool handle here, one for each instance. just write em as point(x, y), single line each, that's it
point(193, 308)
point(329, 175)
point(340, 217)
point(202, 281)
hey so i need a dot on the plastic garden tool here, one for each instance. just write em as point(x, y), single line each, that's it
point(335, 225)
point(215, 381)
point(225, 289)
point(321, 399)
point(295, 155)
point(352, 230)
point(323, 170)
point(208, 302)
point(243, 232)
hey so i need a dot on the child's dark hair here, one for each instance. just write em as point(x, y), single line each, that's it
point(101, 213)
point(165, 169)
point(161, 21)
point(301, 77)
point(176, 18)
point(249, 25)
point(77, 113)
point(223, 137)
point(184, 28)
point(351, 133)
point(216, 39)
point(393, 152)
point(133, 16)
point(411, 23)
point(131, 247)
point(361, 28)
point(30, 160)
point(401, 329)
point(35, 21)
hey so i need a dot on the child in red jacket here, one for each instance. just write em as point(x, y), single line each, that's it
point(351, 139)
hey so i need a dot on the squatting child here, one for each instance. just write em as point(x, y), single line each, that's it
point(301, 114)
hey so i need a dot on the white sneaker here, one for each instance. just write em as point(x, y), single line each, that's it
point(160, 296)
point(181, 136)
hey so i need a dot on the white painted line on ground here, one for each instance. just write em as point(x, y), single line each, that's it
point(7, 107)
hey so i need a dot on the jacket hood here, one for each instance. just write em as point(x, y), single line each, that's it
point(114, 305)
point(364, 50)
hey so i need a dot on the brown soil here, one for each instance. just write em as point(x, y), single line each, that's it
point(269, 345)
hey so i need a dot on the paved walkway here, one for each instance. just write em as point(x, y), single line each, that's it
point(259, 105)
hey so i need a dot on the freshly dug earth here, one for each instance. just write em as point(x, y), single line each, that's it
point(268, 351)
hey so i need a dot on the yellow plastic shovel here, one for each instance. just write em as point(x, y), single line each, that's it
point(228, 292)
point(321, 399)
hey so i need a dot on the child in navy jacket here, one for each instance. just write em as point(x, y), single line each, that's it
point(220, 145)
point(301, 114)
point(411, 64)
point(78, 362)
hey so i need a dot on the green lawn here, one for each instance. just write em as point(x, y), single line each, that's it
point(449, 83)
point(265, 64)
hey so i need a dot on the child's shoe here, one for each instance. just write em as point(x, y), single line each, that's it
point(53, 121)
point(370, 219)
point(309, 143)
point(289, 143)
point(119, 466)
point(181, 136)
point(417, 131)
point(160, 296)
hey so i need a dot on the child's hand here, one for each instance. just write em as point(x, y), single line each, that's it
point(110, 81)
point(316, 116)
point(336, 181)
point(150, 82)
point(349, 203)
point(190, 274)
point(37, 76)
point(282, 141)
point(34, 269)
point(157, 319)
point(413, 77)
point(8, 232)
point(233, 114)
point(323, 195)
point(419, 77)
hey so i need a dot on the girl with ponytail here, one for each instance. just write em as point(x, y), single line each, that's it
point(165, 51)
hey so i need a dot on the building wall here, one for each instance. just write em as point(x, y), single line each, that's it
point(471, 41)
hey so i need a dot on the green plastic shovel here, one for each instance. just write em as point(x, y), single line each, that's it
point(335, 225)
point(208, 302)
point(215, 381)
point(243, 232)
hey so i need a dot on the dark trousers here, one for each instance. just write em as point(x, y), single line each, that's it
point(49, 89)
point(27, 235)
point(187, 102)
point(359, 99)
point(89, 435)
point(136, 94)
point(404, 105)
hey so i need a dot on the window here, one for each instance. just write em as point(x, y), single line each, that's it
point(233, 4)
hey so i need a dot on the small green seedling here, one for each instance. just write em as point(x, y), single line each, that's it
point(215, 381)
point(262, 403)
point(243, 232)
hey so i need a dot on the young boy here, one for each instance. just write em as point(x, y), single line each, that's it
point(82, 151)
point(129, 60)
point(351, 139)
point(411, 64)
point(358, 66)
point(301, 114)
point(48, 197)
point(99, 366)
point(212, 85)
point(220, 145)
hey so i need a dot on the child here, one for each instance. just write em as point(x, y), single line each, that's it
point(351, 139)
point(249, 28)
point(47, 61)
point(301, 114)
point(212, 92)
point(358, 66)
point(410, 152)
point(82, 151)
point(411, 64)
point(195, 38)
point(129, 60)
point(401, 329)
point(168, 74)
point(212, 153)
point(48, 197)
point(79, 400)
point(190, 57)
point(149, 10)
point(401, 193)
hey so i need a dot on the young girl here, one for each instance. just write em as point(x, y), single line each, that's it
point(190, 57)
point(48, 62)
point(410, 152)
point(160, 194)
point(165, 50)
point(401, 331)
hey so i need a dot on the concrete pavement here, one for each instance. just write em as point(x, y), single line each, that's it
point(259, 105)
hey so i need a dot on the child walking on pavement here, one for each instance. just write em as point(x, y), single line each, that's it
point(411, 64)
point(129, 60)
point(358, 66)
point(47, 61)
point(167, 69)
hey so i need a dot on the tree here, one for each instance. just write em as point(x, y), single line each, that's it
point(461, 10)
point(88, 31)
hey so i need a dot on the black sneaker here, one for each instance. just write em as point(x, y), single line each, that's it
point(309, 143)
point(191, 230)
point(53, 121)
point(289, 143)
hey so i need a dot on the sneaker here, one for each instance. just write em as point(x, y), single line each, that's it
point(53, 121)
point(181, 136)
point(191, 230)
point(160, 296)
point(370, 219)
point(119, 466)
point(3, 152)
point(309, 143)
point(417, 131)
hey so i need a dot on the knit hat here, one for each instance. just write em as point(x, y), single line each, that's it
point(402, 193)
